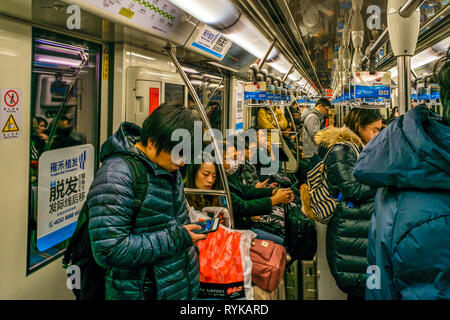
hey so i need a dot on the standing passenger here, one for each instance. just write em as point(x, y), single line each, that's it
point(348, 229)
point(150, 256)
point(409, 239)
point(312, 123)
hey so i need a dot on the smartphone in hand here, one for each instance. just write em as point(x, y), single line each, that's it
point(207, 226)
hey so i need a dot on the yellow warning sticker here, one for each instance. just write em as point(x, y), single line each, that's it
point(105, 65)
point(126, 13)
point(11, 125)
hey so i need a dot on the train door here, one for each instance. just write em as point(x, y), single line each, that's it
point(148, 96)
point(65, 100)
point(148, 88)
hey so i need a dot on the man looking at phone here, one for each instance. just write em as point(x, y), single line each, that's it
point(150, 255)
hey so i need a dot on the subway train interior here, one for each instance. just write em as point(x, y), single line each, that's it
point(73, 71)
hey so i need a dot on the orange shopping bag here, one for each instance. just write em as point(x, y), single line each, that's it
point(225, 264)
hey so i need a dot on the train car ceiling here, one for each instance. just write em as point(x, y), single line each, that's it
point(318, 39)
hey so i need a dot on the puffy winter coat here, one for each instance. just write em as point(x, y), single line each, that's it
point(248, 201)
point(248, 174)
point(152, 247)
point(348, 229)
point(410, 230)
point(266, 121)
point(312, 123)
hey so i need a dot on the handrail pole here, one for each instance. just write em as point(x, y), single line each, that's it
point(202, 112)
point(263, 60)
point(296, 137)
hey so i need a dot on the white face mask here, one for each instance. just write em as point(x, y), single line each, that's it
point(233, 167)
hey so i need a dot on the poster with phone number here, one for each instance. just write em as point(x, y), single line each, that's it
point(65, 176)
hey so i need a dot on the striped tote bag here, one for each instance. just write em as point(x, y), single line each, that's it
point(317, 202)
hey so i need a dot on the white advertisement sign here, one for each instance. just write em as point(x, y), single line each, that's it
point(240, 108)
point(65, 176)
point(157, 15)
point(212, 42)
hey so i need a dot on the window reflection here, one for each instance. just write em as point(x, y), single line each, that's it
point(64, 113)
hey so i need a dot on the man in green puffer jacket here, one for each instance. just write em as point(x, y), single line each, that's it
point(151, 255)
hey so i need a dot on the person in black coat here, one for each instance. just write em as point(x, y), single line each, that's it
point(348, 229)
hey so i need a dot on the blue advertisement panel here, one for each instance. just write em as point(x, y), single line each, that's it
point(260, 95)
point(383, 91)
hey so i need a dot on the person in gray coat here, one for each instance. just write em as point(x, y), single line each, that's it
point(312, 123)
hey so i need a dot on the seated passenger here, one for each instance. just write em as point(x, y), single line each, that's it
point(249, 201)
point(38, 137)
point(409, 239)
point(202, 176)
point(248, 172)
point(348, 229)
point(261, 155)
point(267, 121)
point(64, 135)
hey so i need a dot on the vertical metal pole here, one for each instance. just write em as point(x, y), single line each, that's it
point(202, 112)
point(280, 134)
point(404, 84)
point(296, 136)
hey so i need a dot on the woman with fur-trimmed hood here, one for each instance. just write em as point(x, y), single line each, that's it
point(348, 229)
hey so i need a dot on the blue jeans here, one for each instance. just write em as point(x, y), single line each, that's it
point(263, 235)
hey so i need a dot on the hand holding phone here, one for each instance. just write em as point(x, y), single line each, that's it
point(207, 226)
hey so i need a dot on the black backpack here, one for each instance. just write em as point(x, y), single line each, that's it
point(79, 251)
point(301, 235)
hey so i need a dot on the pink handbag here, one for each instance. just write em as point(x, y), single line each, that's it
point(269, 262)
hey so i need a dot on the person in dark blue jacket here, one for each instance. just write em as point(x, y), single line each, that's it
point(409, 238)
point(153, 255)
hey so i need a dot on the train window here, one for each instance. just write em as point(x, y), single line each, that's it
point(64, 114)
point(174, 93)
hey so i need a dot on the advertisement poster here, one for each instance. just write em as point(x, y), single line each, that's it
point(65, 176)
point(161, 16)
point(373, 86)
point(239, 108)
point(255, 90)
point(212, 42)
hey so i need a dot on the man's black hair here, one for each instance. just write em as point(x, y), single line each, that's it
point(323, 102)
point(164, 120)
point(40, 119)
